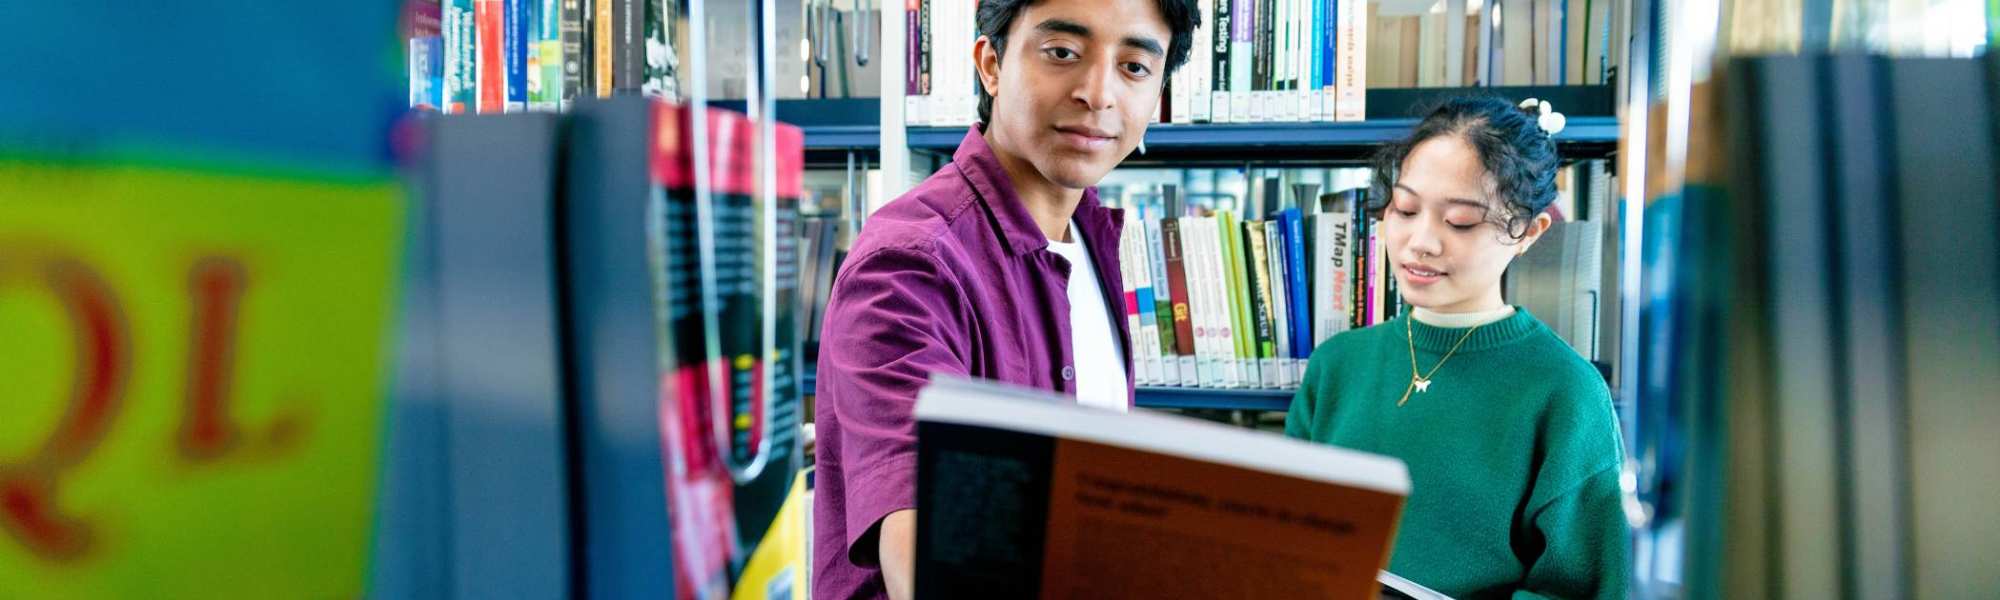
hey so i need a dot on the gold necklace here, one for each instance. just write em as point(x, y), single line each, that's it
point(1422, 383)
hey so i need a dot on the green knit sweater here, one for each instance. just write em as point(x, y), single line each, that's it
point(1513, 454)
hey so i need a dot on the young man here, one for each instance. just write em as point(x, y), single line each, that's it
point(1001, 266)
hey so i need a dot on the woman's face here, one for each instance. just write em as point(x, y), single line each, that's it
point(1443, 245)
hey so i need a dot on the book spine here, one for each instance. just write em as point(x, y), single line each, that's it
point(460, 57)
point(1218, 85)
point(1129, 301)
point(1222, 346)
point(1197, 70)
point(1358, 288)
point(628, 45)
point(1222, 314)
point(420, 66)
point(913, 46)
point(572, 46)
point(515, 20)
point(1211, 310)
point(1163, 300)
point(1295, 255)
point(1315, 78)
point(1177, 279)
point(1188, 230)
point(1257, 267)
point(1333, 297)
point(1236, 286)
point(1260, 60)
point(656, 71)
point(492, 78)
point(1148, 347)
point(1375, 274)
point(1242, 50)
point(929, 33)
point(1330, 88)
point(1351, 88)
point(1281, 305)
point(545, 57)
point(601, 37)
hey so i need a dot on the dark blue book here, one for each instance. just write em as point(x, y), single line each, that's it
point(517, 22)
point(1290, 224)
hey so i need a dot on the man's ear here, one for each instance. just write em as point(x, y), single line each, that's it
point(986, 60)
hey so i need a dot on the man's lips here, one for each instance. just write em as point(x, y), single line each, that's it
point(1085, 137)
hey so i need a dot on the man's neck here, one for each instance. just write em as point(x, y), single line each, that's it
point(1049, 204)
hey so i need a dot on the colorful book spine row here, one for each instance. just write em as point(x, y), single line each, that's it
point(1251, 61)
point(499, 56)
point(1213, 300)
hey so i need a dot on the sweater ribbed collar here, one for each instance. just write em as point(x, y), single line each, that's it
point(1506, 331)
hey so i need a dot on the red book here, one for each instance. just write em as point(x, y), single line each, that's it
point(489, 16)
point(1170, 242)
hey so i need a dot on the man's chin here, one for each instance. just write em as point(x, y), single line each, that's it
point(1074, 176)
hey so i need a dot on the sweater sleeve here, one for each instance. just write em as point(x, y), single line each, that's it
point(1573, 539)
point(1585, 547)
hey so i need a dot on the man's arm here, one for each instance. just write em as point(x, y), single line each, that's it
point(899, 554)
point(896, 318)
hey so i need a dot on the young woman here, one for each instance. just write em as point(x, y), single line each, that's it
point(1509, 435)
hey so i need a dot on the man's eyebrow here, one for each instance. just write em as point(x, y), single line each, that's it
point(1144, 44)
point(1063, 26)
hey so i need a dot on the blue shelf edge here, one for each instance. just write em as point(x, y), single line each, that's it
point(1219, 399)
point(1599, 129)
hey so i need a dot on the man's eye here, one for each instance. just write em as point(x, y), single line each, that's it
point(1061, 53)
point(1138, 69)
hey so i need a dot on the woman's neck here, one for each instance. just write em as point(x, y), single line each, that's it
point(1460, 320)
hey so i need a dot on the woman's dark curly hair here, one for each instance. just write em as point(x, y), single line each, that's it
point(1519, 157)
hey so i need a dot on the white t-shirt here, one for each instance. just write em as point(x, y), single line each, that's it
point(1099, 368)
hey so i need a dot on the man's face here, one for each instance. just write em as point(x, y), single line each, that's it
point(1078, 84)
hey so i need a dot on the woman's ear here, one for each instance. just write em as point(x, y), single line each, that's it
point(1536, 227)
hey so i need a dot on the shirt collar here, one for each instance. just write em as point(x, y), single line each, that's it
point(1018, 231)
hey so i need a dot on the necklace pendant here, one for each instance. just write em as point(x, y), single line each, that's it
point(1423, 385)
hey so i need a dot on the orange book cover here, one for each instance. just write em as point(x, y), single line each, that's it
point(1026, 495)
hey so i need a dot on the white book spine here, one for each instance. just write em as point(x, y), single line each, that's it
point(1224, 342)
point(1196, 308)
point(1201, 65)
point(1203, 306)
point(1128, 284)
point(1352, 62)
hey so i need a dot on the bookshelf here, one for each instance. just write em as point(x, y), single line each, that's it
point(1277, 400)
point(852, 125)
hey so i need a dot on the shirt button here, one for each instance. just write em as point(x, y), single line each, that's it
point(1069, 373)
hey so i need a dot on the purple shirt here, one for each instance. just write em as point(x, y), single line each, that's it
point(952, 277)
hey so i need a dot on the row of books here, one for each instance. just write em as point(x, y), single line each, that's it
point(1279, 60)
point(1453, 43)
point(1304, 60)
point(1222, 300)
point(497, 56)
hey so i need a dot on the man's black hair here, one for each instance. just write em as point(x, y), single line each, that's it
point(996, 16)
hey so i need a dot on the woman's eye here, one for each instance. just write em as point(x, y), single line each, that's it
point(1464, 226)
point(1060, 53)
point(1406, 213)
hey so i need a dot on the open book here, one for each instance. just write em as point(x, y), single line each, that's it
point(1022, 494)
